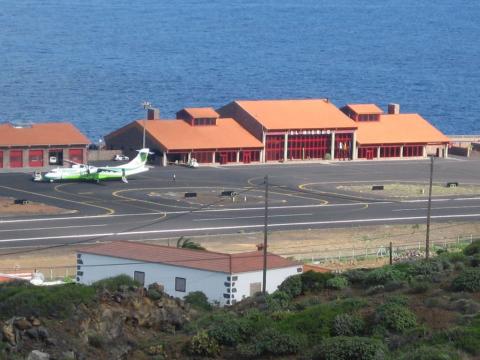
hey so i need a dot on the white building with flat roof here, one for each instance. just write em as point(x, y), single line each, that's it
point(223, 278)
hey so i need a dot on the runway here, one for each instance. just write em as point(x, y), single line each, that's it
point(153, 206)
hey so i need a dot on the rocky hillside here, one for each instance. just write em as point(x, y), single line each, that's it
point(413, 310)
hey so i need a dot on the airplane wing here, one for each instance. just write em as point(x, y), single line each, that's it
point(73, 162)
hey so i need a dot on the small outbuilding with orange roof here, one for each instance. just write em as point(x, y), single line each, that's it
point(394, 135)
point(40, 145)
point(198, 133)
point(223, 278)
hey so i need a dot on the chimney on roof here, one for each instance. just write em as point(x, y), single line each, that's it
point(153, 114)
point(394, 109)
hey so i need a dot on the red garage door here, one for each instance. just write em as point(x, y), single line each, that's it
point(76, 155)
point(16, 158)
point(1, 159)
point(35, 158)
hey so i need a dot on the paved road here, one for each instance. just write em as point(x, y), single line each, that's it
point(302, 196)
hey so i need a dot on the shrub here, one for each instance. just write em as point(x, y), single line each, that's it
point(273, 342)
point(356, 276)
point(426, 352)
point(394, 285)
point(465, 338)
point(23, 299)
point(383, 275)
point(347, 325)
point(226, 328)
point(279, 300)
point(473, 248)
point(455, 257)
point(427, 267)
point(396, 317)
point(116, 283)
point(96, 340)
point(377, 289)
point(292, 286)
point(203, 345)
point(314, 281)
point(198, 300)
point(468, 280)
point(419, 287)
point(337, 283)
point(475, 260)
point(350, 348)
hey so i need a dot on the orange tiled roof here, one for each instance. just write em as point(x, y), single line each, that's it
point(203, 112)
point(397, 129)
point(197, 259)
point(365, 109)
point(297, 114)
point(41, 134)
point(179, 135)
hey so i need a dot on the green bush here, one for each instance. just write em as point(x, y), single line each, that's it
point(376, 289)
point(198, 300)
point(96, 340)
point(454, 257)
point(23, 299)
point(350, 348)
point(277, 301)
point(465, 338)
point(314, 281)
point(475, 260)
point(468, 280)
point(419, 287)
point(428, 352)
point(203, 345)
point(356, 276)
point(347, 325)
point(226, 329)
point(116, 283)
point(473, 248)
point(395, 317)
point(272, 342)
point(394, 285)
point(292, 286)
point(337, 283)
point(383, 275)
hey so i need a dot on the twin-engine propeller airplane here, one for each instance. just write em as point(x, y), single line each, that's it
point(84, 172)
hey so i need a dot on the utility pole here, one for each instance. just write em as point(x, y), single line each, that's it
point(146, 106)
point(429, 210)
point(265, 239)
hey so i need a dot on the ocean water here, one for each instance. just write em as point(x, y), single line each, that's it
point(93, 62)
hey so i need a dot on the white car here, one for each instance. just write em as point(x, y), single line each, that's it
point(119, 157)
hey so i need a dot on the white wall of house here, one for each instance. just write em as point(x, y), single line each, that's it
point(211, 283)
point(274, 278)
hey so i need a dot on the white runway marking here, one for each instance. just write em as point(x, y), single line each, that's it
point(440, 208)
point(252, 217)
point(279, 225)
point(55, 227)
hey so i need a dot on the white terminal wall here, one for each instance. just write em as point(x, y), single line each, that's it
point(274, 278)
point(209, 282)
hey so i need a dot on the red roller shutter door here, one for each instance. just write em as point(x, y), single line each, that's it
point(76, 155)
point(35, 158)
point(16, 158)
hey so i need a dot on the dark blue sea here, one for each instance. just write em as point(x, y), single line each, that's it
point(93, 62)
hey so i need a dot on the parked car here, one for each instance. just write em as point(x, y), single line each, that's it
point(119, 157)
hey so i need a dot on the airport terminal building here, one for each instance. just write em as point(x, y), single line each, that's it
point(282, 130)
point(39, 146)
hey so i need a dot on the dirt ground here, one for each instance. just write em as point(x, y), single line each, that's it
point(336, 249)
point(9, 208)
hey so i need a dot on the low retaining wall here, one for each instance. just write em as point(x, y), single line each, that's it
point(103, 155)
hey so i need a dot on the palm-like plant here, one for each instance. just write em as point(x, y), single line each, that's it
point(186, 243)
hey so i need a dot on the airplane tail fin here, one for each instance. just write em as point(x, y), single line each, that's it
point(140, 159)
